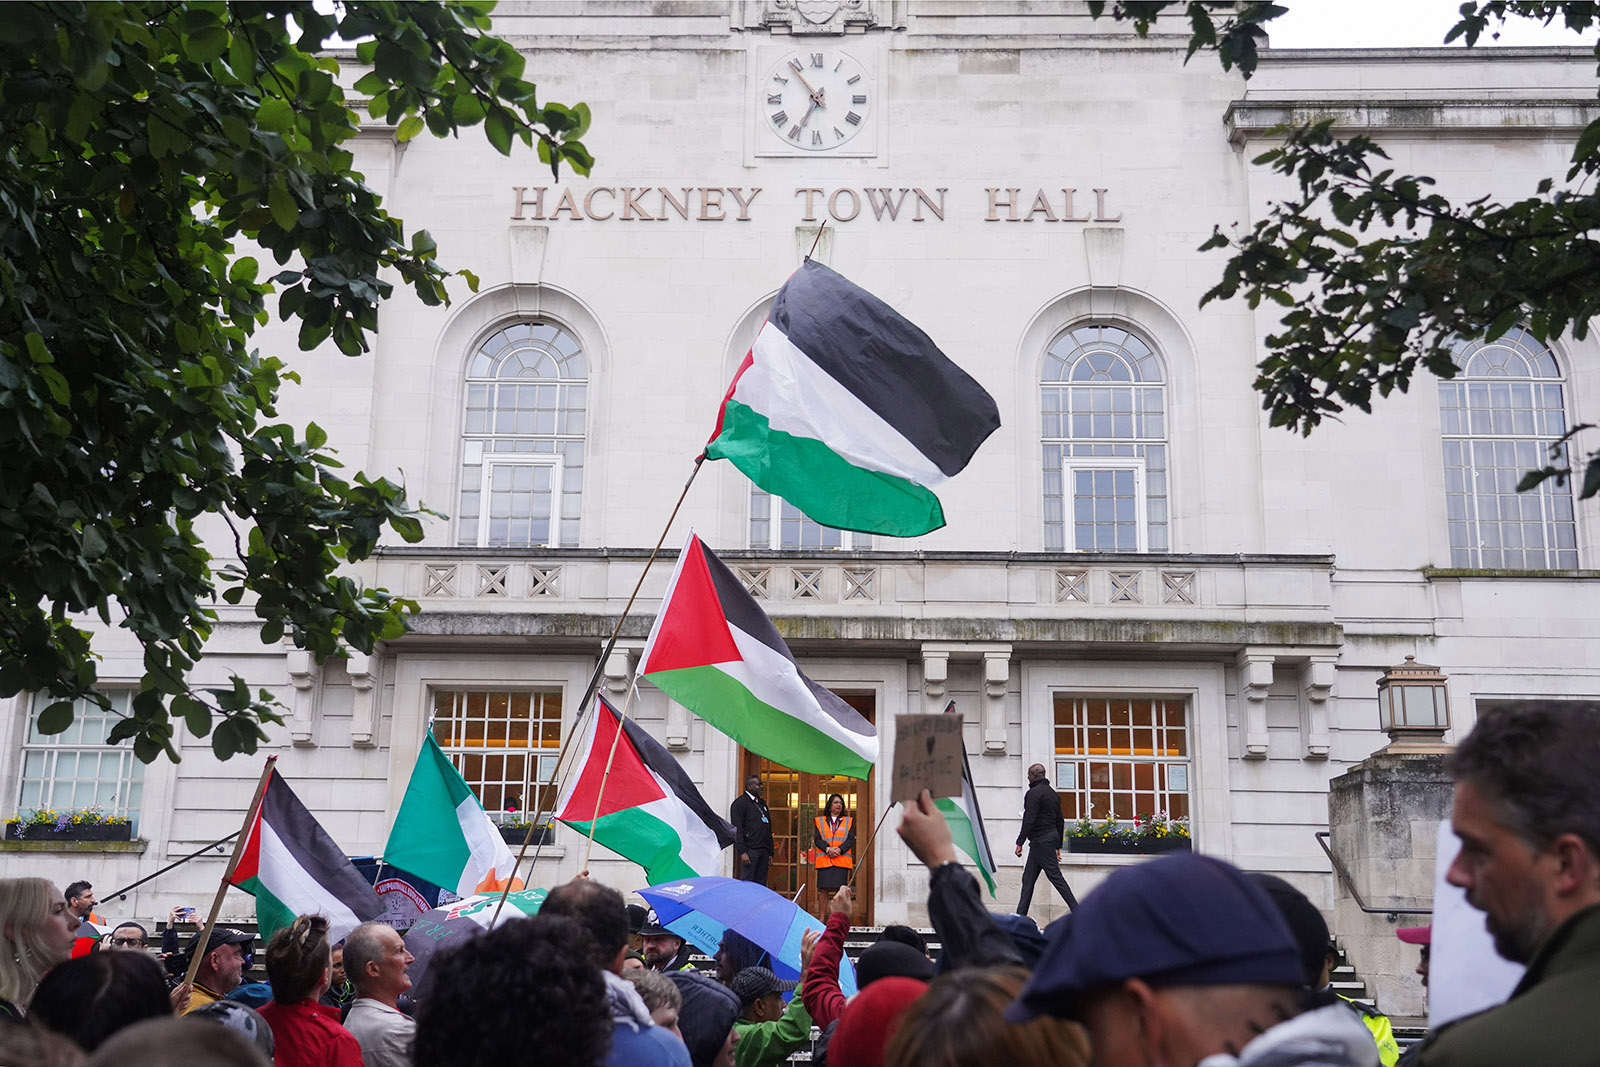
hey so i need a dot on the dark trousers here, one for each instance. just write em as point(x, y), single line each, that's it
point(756, 869)
point(1042, 857)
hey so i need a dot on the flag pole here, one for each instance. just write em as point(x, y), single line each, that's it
point(861, 860)
point(594, 683)
point(600, 793)
point(818, 238)
point(204, 936)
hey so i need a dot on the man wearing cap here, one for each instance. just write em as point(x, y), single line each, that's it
point(1422, 937)
point(1183, 958)
point(1527, 811)
point(1043, 829)
point(226, 955)
point(663, 949)
point(769, 1032)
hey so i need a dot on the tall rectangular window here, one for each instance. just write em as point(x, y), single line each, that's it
point(776, 523)
point(505, 744)
point(1121, 757)
point(76, 768)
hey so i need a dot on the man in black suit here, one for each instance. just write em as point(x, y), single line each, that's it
point(752, 831)
point(1043, 829)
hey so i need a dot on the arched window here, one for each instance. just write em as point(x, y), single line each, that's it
point(522, 440)
point(1104, 401)
point(1498, 417)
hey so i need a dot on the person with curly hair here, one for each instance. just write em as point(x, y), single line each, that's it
point(36, 933)
point(958, 1022)
point(305, 1033)
point(92, 997)
point(527, 991)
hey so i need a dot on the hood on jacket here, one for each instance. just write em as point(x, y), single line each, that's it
point(627, 1008)
point(1333, 1036)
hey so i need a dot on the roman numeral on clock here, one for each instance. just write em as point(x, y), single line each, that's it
point(775, 99)
point(859, 99)
point(853, 119)
point(816, 136)
point(780, 118)
point(794, 134)
point(816, 59)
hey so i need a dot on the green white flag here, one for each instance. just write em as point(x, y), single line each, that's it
point(966, 821)
point(443, 834)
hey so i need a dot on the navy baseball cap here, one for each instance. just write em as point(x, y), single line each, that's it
point(1179, 920)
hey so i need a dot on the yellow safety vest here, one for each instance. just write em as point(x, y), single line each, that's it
point(835, 839)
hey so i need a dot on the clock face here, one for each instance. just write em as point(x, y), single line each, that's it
point(816, 100)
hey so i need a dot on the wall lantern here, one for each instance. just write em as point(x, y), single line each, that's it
point(1414, 707)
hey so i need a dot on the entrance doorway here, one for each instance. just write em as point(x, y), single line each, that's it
point(794, 798)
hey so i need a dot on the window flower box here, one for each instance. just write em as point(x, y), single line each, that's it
point(513, 835)
point(1146, 835)
point(1121, 846)
point(88, 824)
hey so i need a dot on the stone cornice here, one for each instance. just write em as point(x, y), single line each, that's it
point(1543, 118)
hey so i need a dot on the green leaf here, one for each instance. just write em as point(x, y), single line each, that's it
point(194, 712)
point(55, 718)
point(1591, 478)
point(409, 127)
point(499, 125)
point(285, 212)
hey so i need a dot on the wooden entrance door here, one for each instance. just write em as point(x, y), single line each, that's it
point(794, 798)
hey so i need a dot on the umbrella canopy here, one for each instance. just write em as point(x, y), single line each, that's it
point(701, 910)
point(450, 924)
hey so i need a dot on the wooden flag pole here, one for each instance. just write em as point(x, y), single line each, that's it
point(600, 793)
point(818, 238)
point(861, 859)
point(204, 936)
point(594, 683)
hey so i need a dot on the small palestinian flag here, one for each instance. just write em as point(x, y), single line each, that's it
point(293, 868)
point(714, 651)
point(966, 821)
point(849, 412)
point(649, 810)
point(443, 835)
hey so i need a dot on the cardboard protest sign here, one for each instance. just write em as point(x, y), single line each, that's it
point(927, 755)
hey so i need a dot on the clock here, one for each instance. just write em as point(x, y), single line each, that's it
point(815, 100)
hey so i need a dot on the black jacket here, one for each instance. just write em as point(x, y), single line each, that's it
point(752, 826)
point(1041, 814)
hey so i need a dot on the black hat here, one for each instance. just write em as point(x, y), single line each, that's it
point(1306, 924)
point(636, 918)
point(221, 935)
point(753, 983)
point(652, 927)
point(1180, 920)
point(891, 959)
point(708, 1013)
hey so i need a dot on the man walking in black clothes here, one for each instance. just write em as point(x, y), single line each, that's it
point(1043, 830)
point(752, 831)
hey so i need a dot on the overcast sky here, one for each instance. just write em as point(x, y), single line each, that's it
point(1394, 23)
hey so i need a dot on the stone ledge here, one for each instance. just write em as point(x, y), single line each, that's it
point(135, 847)
point(1541, 118)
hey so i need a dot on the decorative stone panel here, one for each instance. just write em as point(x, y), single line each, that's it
point(1072, 587)
point(544, 581)
point(1177, 587)
point(755, 580)
point(439, 579)
point(806, 583)
point(1125, 588)
point(492, 580)
point(859, 583)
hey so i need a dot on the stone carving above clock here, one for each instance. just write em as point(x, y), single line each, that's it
point(831, 17)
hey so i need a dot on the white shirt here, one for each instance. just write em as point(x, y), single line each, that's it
point(384, 1033)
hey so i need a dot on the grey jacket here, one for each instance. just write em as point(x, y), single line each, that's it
point(1327, 1037)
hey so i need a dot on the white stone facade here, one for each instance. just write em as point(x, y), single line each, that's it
point(1296, 569)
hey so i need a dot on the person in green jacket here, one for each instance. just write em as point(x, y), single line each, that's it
point(770, 1033)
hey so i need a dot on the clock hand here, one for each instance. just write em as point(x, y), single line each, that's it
point(816, 97)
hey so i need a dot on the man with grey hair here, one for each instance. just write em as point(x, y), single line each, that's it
point(375, 959)
point(1527, 811)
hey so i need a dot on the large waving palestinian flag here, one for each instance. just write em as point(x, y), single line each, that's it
point(714, 651)
point(849, 412)
point(293, 868)
point(649, 810)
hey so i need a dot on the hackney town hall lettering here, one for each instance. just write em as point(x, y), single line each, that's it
point(721, 203)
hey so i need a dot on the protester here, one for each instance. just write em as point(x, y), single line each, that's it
point(905, 935)
point(1044, 830)
point(968, 935)
point(90, 998)
point(36, 933)
point(633, 960)
point(376, 961)
point(1422, 937)
point(734, 953)
point(34, 1046)
point(865, 1026)
point(1183, 958)
point(527, 991)
point(81, 902)
point(1318, 957)
point(239, 1018)
point(661, 998)
point(706, 1019)
point(300, 967)
point(959, 1022)
point(341, 991)
point(834, 846)
point(635, 1040)
point(227, 952)
point(752, 831)
point(1527, 811)
point(129, 936)
point(769, 1031)
point(188, 1041)
point(663, 949)
point(638, 914)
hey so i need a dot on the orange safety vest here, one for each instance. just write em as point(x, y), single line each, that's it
point(834, 839)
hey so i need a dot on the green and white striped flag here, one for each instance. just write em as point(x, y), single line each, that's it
point(966, 821)
point(442, 833)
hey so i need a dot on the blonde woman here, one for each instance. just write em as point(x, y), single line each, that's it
point(35, 934)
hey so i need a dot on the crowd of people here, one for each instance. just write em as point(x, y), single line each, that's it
point(1182, 961)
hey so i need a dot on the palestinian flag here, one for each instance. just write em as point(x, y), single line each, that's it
point(293, 868)
point(715, 652)
point(966, 821)
point(650, 811)
point(442, 834)
point(850, 412)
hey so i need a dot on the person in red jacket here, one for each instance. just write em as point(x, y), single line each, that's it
point(300, 968)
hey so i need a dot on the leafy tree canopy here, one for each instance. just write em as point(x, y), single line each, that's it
point(1379, 273)
point(138, 142)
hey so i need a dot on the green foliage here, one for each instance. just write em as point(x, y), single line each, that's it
point(1379, 274)
point(138, 143)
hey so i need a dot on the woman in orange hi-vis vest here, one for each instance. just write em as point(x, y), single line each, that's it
point(835, 845)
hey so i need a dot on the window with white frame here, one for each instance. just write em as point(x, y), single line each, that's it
point(1103, 398)
point(505, 743)
point(1121, 757)
point(76, 768)
point(776, 523)
point(1498, 418)
point(522, 447)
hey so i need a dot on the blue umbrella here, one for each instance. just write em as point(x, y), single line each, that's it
point(701, 910)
